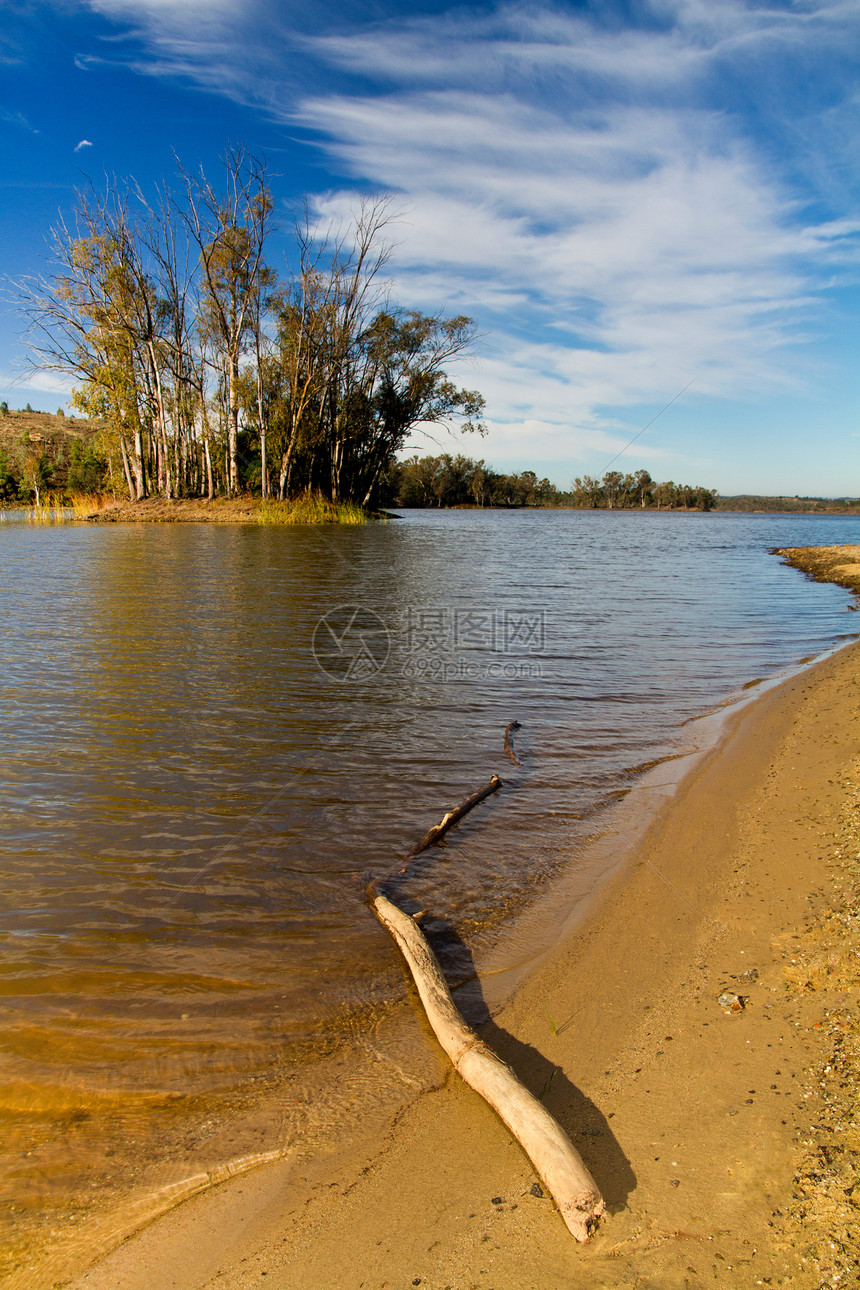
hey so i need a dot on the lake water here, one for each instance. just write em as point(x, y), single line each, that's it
point(213, 735)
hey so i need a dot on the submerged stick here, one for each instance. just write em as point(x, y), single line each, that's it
point(448, 821)
point(509, 742)
point(553, 1155)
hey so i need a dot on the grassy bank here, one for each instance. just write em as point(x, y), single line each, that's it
point(61, 508)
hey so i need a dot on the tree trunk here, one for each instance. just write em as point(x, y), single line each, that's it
point(233, 427)
point(126, 467)
point(264, 468)
point(139, 465)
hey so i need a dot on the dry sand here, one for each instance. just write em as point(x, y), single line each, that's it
point(724, 1142)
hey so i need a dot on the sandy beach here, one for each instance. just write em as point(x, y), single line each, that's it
point(722, 1141)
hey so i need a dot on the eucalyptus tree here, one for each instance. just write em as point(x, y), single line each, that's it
point(173, 326)
point(230, 229)
point(88, 319)
point(358, 374)
point(643, 485)
point(307, 346)
point(588, 490)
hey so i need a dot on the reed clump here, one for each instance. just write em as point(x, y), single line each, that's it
point(312, 508)
point(49, 509)
point(85, 504)
point(61, 508)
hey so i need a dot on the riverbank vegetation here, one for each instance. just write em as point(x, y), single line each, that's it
point(67, 462)
point(794, 505)
point(212, 373)
point(449, 480)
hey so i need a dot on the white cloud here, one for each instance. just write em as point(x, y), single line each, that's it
point(84, 143)
point(624, 204)
point(51, 385)
point(578, 185)
point(17, 118)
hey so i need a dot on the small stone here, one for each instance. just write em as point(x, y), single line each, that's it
point(676, 1182)
point(537, 1190)
point(417, 1281)
point(731, 1002)
point(498, 1200)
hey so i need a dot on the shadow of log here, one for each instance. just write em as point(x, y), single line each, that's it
point(582, 1120)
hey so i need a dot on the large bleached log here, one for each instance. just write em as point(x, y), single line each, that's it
point(553, 1154)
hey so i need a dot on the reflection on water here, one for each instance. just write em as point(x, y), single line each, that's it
point(192, 804)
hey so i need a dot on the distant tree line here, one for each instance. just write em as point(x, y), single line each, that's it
point(212, 372)
point(625, 492)
point(820, 505)
point(448, 480)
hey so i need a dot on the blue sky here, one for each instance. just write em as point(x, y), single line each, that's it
point(629, 198)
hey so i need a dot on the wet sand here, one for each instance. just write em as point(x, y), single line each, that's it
point(697, 1123)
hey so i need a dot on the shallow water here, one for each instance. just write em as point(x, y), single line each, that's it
point(212, 736)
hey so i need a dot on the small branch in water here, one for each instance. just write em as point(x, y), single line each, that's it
point(437, 833)
point(453, 817)
point(509, 742)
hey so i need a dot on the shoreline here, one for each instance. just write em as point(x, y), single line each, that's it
point(247, 509)
point(617, 1024)
point(839, 564)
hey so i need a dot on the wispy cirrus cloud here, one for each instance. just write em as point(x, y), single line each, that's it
point(624, 197)
point(16, 118)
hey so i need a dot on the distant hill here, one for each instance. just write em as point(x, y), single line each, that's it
point(45, 446)
point(808, 505)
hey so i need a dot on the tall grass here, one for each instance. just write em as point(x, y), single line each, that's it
point(60, 508)
point(84, 504)
point(49, 510)
point(313, 508)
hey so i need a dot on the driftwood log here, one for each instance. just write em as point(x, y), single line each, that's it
point(553, 1154)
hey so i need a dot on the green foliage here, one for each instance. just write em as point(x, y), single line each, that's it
point(37, 474)
point(805, 505)
point(624, 492)
point(311, 509)
point(87, 469)
point(8, 480)
point(210, 374)
point(460, 481)
point(4, 409)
